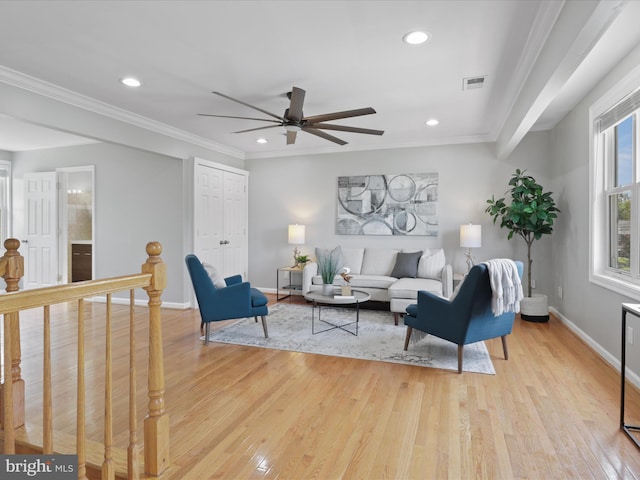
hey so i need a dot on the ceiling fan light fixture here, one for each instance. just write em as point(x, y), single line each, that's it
point(415, 38)
point(292, 128)
point(130, 82)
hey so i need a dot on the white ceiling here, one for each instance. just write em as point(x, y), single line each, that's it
point(345, 54)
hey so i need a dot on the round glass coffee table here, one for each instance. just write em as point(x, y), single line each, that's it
point(319, 300)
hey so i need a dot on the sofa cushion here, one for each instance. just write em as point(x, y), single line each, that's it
point(372, 281)
point(352, 258)
point(406, 265)
point(360, 281)
point(408, 287)
point(378, 261)
point(431, 264)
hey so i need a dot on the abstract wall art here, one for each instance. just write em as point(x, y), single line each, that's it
point(403, 204)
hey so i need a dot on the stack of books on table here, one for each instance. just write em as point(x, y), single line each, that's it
point(344, 292)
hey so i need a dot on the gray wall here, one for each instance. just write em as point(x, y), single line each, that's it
point(593, 311)
point(304, 190)
point(138, 198)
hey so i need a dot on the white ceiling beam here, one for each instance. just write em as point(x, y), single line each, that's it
point(578, 28)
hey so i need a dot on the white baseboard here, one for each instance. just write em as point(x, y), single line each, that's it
point(140, 302)
point(606, 355)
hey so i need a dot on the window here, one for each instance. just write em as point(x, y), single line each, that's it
point(615, 190)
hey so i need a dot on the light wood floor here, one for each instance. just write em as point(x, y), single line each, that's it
point(550, 412)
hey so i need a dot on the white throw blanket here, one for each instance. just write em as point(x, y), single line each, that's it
point(505, 284)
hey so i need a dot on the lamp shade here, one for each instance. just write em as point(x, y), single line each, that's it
point(470, 236)
point(296, 234)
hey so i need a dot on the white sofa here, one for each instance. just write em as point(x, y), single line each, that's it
point(372, 270)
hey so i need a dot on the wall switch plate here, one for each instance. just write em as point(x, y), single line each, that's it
point(560, 292)
point(630, 335)
point(533, 283)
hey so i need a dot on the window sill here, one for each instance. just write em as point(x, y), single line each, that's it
point(617, 284)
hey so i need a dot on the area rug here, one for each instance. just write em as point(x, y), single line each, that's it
point(378, 339)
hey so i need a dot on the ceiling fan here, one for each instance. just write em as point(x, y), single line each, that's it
point(294, 121)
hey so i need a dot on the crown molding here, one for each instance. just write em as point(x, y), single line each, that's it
point(55, 92)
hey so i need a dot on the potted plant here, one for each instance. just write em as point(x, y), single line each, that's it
point(301, 260)
point(329, 264)
point(530, 214)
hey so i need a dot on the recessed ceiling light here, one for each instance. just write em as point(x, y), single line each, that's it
point(130, 82)
point(415, 38)
point(433, 122)
point(262, 140)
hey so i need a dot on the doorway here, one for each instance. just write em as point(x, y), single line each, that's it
point(76, 216)
point(59, 226)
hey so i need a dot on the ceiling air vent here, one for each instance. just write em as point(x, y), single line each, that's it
point(472, 82)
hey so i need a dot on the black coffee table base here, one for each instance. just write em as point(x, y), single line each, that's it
point(333, 326)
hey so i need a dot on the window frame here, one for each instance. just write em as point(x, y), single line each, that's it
point(602, 175)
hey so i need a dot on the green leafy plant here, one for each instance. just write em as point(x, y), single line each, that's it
point(329, 264)
point(302, 259)
point(530, 214)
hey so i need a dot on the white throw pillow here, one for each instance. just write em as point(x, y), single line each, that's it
point(352, 258)
point(431, 264)
point(214, 275)
point(378, 261)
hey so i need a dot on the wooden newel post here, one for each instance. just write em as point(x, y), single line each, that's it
point(12, 270)
point(156, 424)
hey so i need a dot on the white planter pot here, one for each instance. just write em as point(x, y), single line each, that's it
point(535, 308)
point(327, 289)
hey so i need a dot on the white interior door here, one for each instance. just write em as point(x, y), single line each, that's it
point(41, 260)
point(235, 233)
point(220, 217)
point(209, 216)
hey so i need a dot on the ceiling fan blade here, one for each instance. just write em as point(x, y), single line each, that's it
point(240, 118)
point(259, 128)
point(344, 128)
point(326, 136)
point(291, 137)
point(248, 105)
point(295, 107)
point(337, 115)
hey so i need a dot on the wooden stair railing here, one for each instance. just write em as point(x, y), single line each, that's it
point(156, 424)
point(12, 270)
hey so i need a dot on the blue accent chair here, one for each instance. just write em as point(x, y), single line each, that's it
point(465, 319)
point(236, 300)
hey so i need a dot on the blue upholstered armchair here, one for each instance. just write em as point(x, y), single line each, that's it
point(468, 318)
point(236, 300)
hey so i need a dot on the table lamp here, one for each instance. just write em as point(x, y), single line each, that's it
point(296, 237)
point(470, 237)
